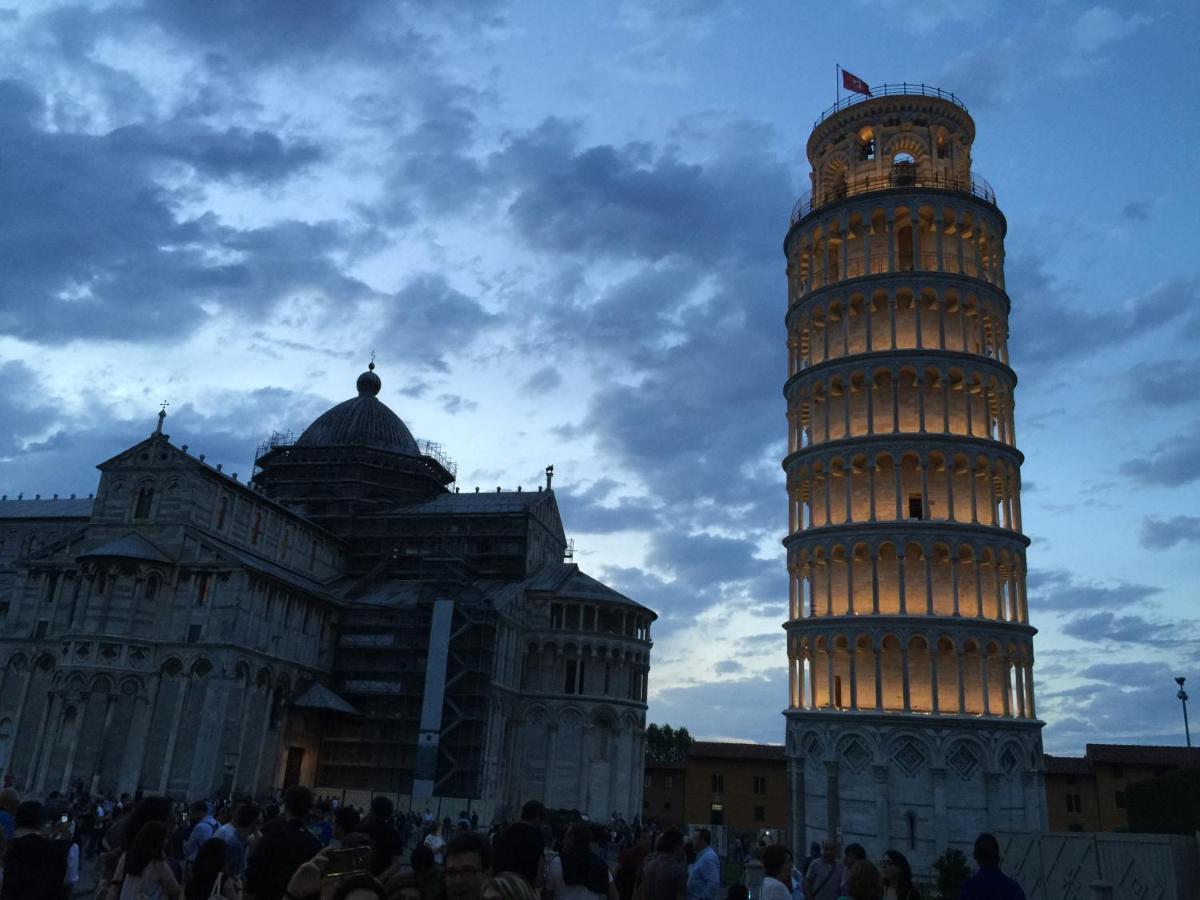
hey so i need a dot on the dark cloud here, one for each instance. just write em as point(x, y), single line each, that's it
point(642, 202)
point(455, 404)
point(96, 245)
point(1137, 210)
point(705, 559)
point(544, 380)
point(1165, 383)
point(23, 407)
point(590, 510)
point(1132, 629)
point(428, 319)
point(748, 708)
point(1047, 330)
point(1162, 534)
point(1172, 463)
point(728, 667)
point(1057, 590)
point(233, 154)
point(1125, 703)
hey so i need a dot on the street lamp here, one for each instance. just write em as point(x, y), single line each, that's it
point(1183, 698)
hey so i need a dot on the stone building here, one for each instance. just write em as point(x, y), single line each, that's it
point(911, 720)
point(344, 618)
point(1088, 793)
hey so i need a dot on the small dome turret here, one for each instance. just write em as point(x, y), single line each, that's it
point(363, 421)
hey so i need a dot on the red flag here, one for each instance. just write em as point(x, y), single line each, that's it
point(854, 83)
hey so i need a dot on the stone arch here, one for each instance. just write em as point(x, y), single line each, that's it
point(857, 749)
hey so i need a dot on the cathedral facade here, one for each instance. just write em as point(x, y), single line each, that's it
point(911, 721)
point(345, 618)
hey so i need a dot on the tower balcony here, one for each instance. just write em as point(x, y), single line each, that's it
point(902, 176)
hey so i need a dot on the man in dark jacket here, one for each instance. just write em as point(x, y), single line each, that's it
point(520, 847)
point(989, 883)
point(282, 849)
point(34, 867)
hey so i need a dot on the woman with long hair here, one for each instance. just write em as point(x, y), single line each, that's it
point(578, 873)
point(864, 882)
point(897, 877)
point(143, 873)
point(507, 886)
point(210, 873)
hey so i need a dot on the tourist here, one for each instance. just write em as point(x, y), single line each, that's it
point(664, 873)
point(204, 826)
point(435, 842)
point(988, 882)
point(238, 834)
point(777, 873)
point(467, 867)
point(507, 886)
point(629, 863)
point(704, 880)
point(211, 874)
point(9, 801)
point(578, 873)
point(34, 869)
point(864, 882)
point(283, 849)
point(143, 872)
point(67, 840)
point(386, 846)
point(521, 847)
point(854, 853)
point(345, 821)
point(823, 879)
point(897, 877)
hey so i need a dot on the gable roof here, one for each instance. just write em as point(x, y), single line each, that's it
point(128, 546)
point(317, 696)
point(736, 750)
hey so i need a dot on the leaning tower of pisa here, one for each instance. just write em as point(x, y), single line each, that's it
point(911, 721)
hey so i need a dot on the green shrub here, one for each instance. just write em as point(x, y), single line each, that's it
point(952, 873)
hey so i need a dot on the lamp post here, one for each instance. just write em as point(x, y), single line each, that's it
point(1183, 698)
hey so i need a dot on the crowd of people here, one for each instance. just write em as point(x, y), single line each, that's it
point(298, 847)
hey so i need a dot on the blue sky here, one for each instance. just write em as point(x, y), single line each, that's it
point(559, 226)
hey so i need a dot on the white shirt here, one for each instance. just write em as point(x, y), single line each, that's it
point(774, 889)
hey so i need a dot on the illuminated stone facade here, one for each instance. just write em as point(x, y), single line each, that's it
point(911, 720)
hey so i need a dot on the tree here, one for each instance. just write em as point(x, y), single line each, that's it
point(665, 744)
point(952, 873)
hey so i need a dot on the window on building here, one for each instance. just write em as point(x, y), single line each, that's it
point(570, 676)
point(51, 586)
point(256, 531)
point(203, 583)
point(718, 784)
point(607, 677)
point(3, 608)
point(760, 814)
point(912, 829)
point(222, 506)
point(914, 506)
point(312, 556)
point(40, 629)
point(1120, 798)
point(555, 616)
point(285, 542)
point(668, 780)
point(193, 634)
point(649, 781)
point(716, 815)
point(151, 587)
point(144, 498)
point(1074, 803)
point(760, 784)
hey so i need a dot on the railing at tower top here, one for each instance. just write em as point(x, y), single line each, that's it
point(899, 177)
point(891, 90)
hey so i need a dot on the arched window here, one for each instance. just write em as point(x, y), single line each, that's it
point(866, 144)
point(152, 584)
point(904, 169)
point(144, 498)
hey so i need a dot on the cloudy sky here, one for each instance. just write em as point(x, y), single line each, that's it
point(559, 226)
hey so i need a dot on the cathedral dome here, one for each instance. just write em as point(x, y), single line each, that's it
point(361, 422)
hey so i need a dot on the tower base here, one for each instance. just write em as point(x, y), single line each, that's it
point(918, 784)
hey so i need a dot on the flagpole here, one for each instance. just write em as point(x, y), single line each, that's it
point(837, 83)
